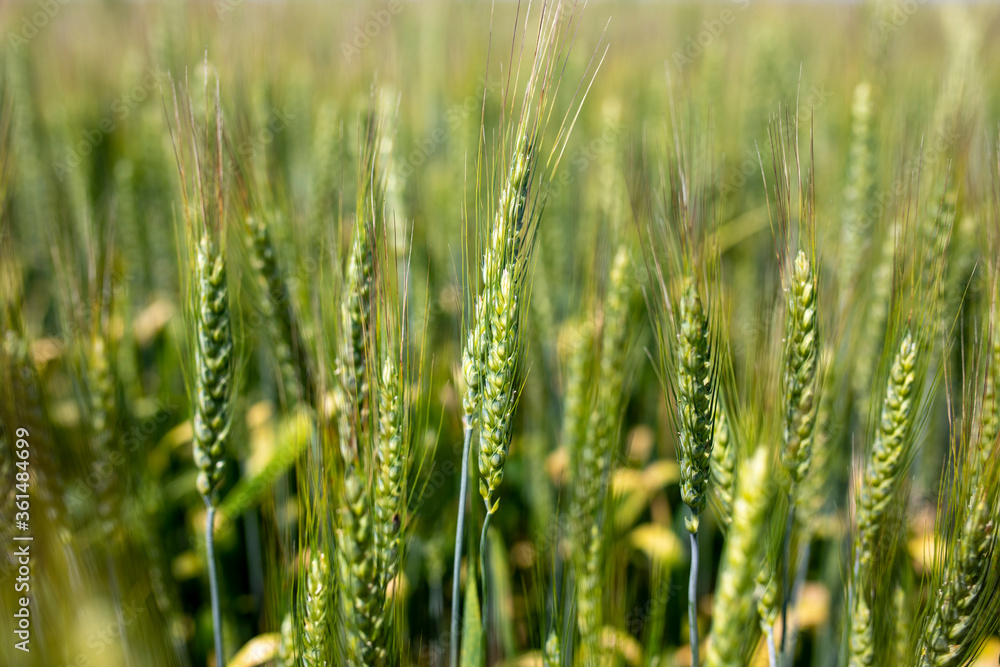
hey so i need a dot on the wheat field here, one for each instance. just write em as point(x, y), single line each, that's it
point(465, 334)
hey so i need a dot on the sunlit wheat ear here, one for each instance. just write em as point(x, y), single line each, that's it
point(213, 367)
point(102, 409)
point(598, 446)
point(812, 493)
point(886, 464)
point(861, 638)
point(287, 654)
point(802, 346)
point(588, 602)
point(695, 402)
point(967, 593)
point(553, 650)
point(768, 606)
point(733, 607)
point(391, 474)
point(577, 394)
point(360, 600)
point(857, 189)
point(498, 398)
point(501, 256)
point(276, 306)
point(882, 477)
point(990, 419)
point(316, 621)
point(723, 467)
point(357, 319)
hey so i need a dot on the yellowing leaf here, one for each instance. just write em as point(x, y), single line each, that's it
point(257, 651)
point(658, 543)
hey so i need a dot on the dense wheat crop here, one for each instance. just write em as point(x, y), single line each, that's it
point(440, 333)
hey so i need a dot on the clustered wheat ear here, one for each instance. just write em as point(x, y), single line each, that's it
point(360, 600)
point(593, 461)
point(768, 605)
point(389, 484)
point(990, 419)
point(882, 477)
point(857, 189)
point(890, 448)
point(723, 466)
point(356, 318)
point(800, 370)
point(498, 397)
point(733, 608)
point(695, 402)
point(577, 395)
point(102, 410)
point(213, 368)
point(287, 654)
point(316, 621)
point(964, 604)
point(277, 308)
point(213, 396)
point(553, 650)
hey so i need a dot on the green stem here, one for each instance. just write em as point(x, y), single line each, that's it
point(482, 568)
point(693, 599)
point(459, 534)
point(784, 571)
point(213, 581)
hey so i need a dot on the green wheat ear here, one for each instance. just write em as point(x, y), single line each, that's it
point(888, 455)
point(213, 367)
point(316, 624)
point(723, 467)
point(287, 655)
point(800, 370)
point(695, 402)
point(276, 303)
point(882, 478)
point(102, 410)
point(357, 317)
point(391, 475)
point(594, 460)
point(498, 393)
point(733, 609)
point(360, 600)
point(553, 650)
